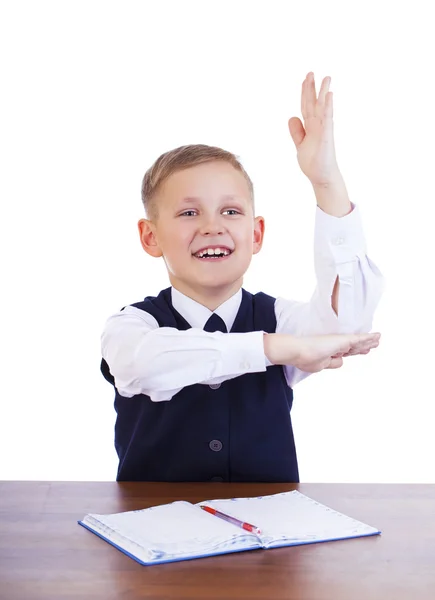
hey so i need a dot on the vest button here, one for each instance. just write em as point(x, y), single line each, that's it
point(215, 386)
point(217, 479)
point(215, 445)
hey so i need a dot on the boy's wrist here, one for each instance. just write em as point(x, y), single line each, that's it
point(333, 198)
point(280, 348)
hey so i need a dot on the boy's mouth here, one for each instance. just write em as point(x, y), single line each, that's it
point(214, 254)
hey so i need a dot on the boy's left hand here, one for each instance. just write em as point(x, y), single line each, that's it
point(315, 142)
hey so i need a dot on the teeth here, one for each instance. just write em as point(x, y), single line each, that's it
point(212, 252)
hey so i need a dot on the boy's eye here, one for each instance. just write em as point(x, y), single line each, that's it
point(188, 213)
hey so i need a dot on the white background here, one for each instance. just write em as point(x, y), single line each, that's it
point(93, 92)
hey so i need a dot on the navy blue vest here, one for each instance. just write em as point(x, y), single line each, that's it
point(239, 431)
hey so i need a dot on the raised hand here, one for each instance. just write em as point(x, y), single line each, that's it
point(314, 140)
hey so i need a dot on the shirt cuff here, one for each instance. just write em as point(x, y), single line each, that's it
point(340, 239)
point(243, 353)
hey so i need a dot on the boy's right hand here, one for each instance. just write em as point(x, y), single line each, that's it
point(313, 353)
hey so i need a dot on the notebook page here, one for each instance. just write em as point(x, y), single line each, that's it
point(292, 516)
point(171, 530)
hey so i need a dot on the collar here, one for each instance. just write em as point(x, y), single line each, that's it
point(197, 314)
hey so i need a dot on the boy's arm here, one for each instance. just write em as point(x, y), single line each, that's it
point(158, 361)
point(339, 254)
point(334, 200)
point(349, 284)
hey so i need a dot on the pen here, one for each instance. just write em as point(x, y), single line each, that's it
point(233, 520)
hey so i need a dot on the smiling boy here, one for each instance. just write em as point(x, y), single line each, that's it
point(204, 208)
point(204, 372)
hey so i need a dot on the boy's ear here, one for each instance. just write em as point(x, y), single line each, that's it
point(148, 238)
point(259, 225)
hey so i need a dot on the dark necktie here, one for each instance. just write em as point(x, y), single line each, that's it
point(215, 323)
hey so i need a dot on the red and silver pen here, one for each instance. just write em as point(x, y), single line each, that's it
point(233, 520)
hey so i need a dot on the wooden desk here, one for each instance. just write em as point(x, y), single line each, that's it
point(45, 554)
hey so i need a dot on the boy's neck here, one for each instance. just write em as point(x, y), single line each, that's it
point(211, 298)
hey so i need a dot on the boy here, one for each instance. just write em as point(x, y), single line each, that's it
point(203, 373)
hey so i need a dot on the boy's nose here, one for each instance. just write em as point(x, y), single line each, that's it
point(211, 227)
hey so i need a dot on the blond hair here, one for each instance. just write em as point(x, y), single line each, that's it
point(177, 160)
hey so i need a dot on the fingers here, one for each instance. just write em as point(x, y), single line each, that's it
point(365, 341)
point(335, 363)
point(354, 353)
point(365, 336)
point(309, 100)
point(309, 92)
point(303, 97)
point(329, 107)
point(361, 344)
point(324, 89)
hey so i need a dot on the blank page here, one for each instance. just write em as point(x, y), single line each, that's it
point(170, 530)
point(292, 516)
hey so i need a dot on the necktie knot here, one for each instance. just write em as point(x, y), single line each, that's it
point(215, 323)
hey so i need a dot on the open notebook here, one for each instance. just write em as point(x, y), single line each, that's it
point(182, 531)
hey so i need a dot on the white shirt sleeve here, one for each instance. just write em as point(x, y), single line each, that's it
point(138, 352)
point(339, 250)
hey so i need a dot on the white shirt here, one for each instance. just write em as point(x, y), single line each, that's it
point(159, 361)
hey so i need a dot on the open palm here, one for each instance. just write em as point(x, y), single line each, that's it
point(314, 140)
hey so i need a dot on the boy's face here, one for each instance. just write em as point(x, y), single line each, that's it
point(201, 208)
